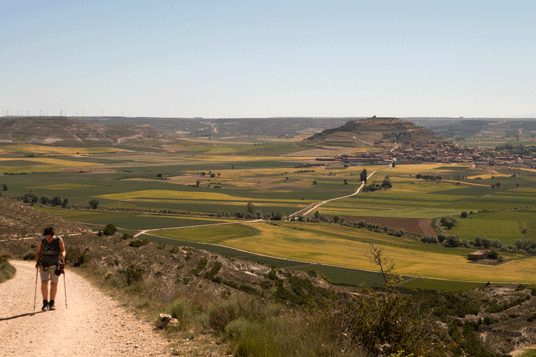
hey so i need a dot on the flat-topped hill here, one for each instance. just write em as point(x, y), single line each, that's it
point(379, 133)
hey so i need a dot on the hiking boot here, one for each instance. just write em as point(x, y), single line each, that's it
point(45, 305)
point(51, 305)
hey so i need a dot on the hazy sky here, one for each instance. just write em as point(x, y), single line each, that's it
point(256, 58)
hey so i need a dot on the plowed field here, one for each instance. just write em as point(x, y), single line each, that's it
point(412, 225)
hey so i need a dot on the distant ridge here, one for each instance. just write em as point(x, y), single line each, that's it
point(50, 130)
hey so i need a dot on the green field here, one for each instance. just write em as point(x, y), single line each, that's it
point(201, 180)
point(348, 247)
point(507, 231)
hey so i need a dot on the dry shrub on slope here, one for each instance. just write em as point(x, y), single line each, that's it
point(19, 220)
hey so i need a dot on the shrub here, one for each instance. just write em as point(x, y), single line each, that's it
point(384, 324)
point(200, 266)
point(180, 310)
point(7, 271)
point(76, 257)
point(138, 243)
point(214, 271)
point(221, 314)
point(429, 239)
point(30, 255)
point(448, 222)
point(94, 204)
point(134, 273)
point(452, 241)
point(109, 230)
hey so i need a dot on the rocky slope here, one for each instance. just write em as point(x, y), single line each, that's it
point(20, 220)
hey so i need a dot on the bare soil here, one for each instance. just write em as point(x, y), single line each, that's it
point(412, 225)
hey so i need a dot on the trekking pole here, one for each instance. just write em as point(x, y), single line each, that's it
point(35, 293)
point(64, 284)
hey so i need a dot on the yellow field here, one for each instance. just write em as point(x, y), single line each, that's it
point(487, 176)
point(424, 168)
point(238, 158)
point(344, 246)
point(51, 150)
point(57, 162)
point(36, 165)
point(194, 197)
point(60, 186)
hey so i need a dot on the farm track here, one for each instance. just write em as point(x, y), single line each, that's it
point(307, 210)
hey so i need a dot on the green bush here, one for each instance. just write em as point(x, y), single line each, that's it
point(214, 271)
point(134, 273)
point(7, 271)
point(29, 255)
point(200, 266)
point(76, 257)
point(138, 243)
point(109, 230)
point(181, 310)
point(386, 323)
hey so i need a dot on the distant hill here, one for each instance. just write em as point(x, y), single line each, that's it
point(378, 133)
point(230, 127)
point(465, 128)
point(49, 130)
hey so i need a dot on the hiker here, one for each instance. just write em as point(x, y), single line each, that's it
point(50, 257)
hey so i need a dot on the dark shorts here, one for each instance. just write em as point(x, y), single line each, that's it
point(49, 274)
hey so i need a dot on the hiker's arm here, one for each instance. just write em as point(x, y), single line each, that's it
point(38, 254)
point(62, 249)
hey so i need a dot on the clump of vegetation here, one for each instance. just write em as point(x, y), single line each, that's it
point(211, 275)
point(76, 257)
point(428, 177)
point(134, 273)
point(7, 271)
point(93, 204)
point(138, 243)
point(448, 221)
point(109, 230)
point(200, 266)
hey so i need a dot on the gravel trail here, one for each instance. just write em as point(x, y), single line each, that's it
point(92, 324)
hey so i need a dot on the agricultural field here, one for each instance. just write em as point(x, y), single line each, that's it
point(194, 183)
point(348, 247)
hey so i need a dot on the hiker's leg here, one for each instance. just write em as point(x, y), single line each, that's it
point(53, 290)
point(44, 289)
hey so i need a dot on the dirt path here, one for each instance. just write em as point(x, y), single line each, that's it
point(92, 324)
point(305, 211)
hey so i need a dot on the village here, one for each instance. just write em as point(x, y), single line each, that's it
point(446, 152)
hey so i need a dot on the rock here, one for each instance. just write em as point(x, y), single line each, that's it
point(163, 320)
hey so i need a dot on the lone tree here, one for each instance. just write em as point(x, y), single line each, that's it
point(250, 207)
point(386, 265)
point(94, 203)
point(363, 176)
point(4, 187)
